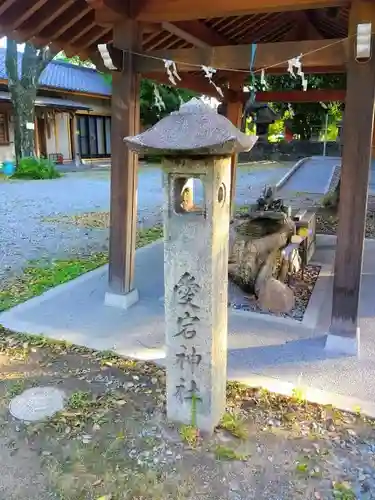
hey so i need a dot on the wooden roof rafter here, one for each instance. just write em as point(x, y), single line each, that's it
point(176, 10)
point(28, 12)
point(268, 28)
point(239, 24)
point(75, 33)
point(303, 26)
point(44, 17)
point(196, 33)
point(69, 23)
point(6, 5)
point(254, 26)
point(77, 26)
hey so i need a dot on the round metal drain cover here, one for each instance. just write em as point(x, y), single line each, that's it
point(37, 403)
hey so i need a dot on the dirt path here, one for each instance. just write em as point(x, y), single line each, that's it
point(112, 440)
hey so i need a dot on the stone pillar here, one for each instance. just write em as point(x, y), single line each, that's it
point(197, 143)
point(196, 291)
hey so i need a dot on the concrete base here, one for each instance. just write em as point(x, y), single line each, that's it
point(121, 301)
point(343, 345)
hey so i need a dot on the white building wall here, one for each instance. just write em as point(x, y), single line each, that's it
point(59, 141)
point(63, 139)
point(51, 139)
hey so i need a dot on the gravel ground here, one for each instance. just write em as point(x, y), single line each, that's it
point(327, 220)
point(25, 233)
point(302, 288)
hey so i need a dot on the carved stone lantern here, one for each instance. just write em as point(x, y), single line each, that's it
point(196, 143)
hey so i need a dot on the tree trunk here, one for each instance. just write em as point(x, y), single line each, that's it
point(23, 87)
point(27, 118)
point(24, 114)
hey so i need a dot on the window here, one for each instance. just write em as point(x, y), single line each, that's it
point(4, 129)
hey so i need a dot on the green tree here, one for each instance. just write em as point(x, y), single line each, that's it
point(23, 82)
point(306, 117)
point(61, 56)
point(172, 98)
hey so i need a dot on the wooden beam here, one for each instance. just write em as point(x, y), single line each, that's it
point(357, 134)
point(268, 55)
point(196, 33)
point(108, 12)
point(199, 84)
point(125, 122)
point(314, 95)
point(182, 10)
point(151, 27)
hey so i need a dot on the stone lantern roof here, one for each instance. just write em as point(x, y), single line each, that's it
point(196, 129)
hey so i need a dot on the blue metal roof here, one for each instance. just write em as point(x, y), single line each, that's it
point(66, 76)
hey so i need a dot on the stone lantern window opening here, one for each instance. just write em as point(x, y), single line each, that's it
point(188, 194)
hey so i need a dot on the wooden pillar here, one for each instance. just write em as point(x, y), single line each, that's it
point(357, 141)
point(123, 217)
point(234, 114)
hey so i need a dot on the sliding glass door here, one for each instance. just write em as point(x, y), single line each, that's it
point(94, 136)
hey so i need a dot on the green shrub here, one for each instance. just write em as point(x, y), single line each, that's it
point(36, 168)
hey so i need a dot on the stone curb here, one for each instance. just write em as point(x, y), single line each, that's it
point(291, 172)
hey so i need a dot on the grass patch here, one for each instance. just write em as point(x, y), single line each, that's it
point(3, 177)
point(189, 435)
point(225, 453)
point(343, 491)
point(15, 388)
point(36, 169)
point(79, 400)
point(40, 276)
point(235, 424)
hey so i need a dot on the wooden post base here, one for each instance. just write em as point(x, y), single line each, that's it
point(121, 301)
